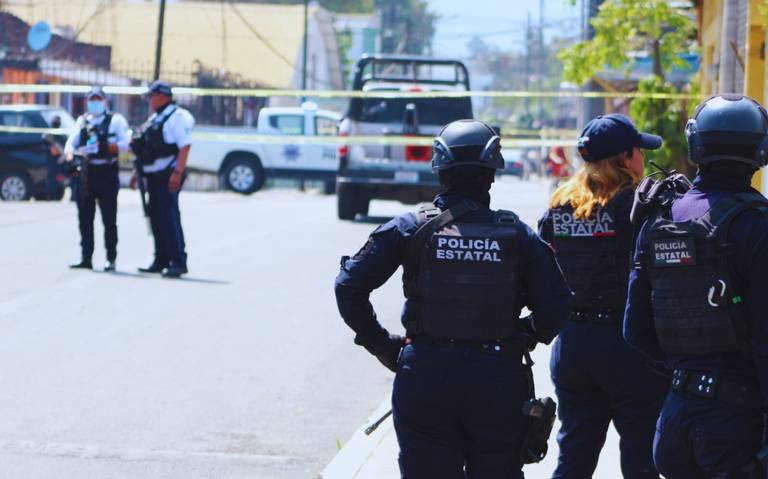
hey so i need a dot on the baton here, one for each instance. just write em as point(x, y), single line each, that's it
point(369, 430)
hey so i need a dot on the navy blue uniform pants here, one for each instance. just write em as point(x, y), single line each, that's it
point(165, 220)
point(700, 438)
point(457, 413)
point(101, 186)
point(598, 379)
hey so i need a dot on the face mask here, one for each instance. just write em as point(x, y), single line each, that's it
point(96, 107)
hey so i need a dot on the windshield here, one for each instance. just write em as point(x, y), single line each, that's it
point(430, 111)
point(67, 122)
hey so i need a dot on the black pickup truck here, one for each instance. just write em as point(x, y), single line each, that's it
point(24, 155)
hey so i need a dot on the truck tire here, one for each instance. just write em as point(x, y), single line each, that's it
point(346, 202)
point(15, 187)
point(243, 173)
point(329, 187)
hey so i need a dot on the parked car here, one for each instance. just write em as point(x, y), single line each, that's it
point(243, 166)
point(396, 172)
point(24, 156)
point(514, 164)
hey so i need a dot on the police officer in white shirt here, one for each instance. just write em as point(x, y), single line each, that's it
point(100, 137)
point(162, 150)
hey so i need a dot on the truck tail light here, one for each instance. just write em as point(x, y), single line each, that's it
point(418, 153)
point(343, 149)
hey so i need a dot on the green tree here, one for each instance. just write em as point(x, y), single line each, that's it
point(623, 27)
point(408, 26)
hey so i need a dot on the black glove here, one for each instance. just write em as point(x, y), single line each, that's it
point(392, 352)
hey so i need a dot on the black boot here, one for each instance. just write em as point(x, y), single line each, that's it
point(153, 268)
point(174, 271)
point(109, 267)
point(83, 264)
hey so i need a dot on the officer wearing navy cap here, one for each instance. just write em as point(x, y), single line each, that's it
point(599, 378)
point(162, 149)
point(100, 136)
point(697, 299)
point(468, 271)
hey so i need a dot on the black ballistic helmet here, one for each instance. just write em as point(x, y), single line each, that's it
point(467, 143)
point(728, 127)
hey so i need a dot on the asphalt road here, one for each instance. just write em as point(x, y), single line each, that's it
point(243, 369)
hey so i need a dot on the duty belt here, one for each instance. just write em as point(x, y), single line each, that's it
point(597, 317)
point(499, 347)
point(709, 385)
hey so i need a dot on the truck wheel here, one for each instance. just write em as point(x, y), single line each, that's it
point(363, 203)
point(15, 187)
point(243, 174)
point(329, 187)
point(346, 202)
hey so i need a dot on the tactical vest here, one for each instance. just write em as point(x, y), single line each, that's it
point(588, 253)
point(152, 139)
point(696, 307)
point(102, 137)
point(463, 282)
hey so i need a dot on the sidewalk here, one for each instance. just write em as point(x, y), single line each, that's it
point(375, 456)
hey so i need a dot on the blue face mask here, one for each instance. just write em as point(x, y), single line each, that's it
point(96, 107)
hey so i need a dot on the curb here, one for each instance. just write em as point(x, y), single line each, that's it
point(360, 448)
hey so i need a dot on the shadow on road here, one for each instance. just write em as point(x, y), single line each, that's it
point(137, 275)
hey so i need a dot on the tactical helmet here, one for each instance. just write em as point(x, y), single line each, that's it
point(467, 143)
point(728, 127)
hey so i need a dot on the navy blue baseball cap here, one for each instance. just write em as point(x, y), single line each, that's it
point(159, 86)
point(610, 135)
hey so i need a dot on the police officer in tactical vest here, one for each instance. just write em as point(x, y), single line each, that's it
point(468, 270)
point(598, 377)
point(162, 148)
point(99, 138)
point(697, 299)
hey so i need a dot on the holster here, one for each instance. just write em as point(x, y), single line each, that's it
point(541, 419)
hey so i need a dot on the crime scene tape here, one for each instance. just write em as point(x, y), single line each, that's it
point(506, 142)
point(389, 94)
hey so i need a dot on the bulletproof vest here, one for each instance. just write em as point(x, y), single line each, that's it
point(152, 139)
point(697, 308)
point(102, 137)
point(588, 251)
point(463, 282)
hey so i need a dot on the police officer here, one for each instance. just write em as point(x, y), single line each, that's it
point(162, 150)
point(598, 377)
point(697, 299)
point(100, 136)
point(468, 271)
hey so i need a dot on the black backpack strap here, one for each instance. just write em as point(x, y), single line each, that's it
point(433, 225)
point(505, 216)
point(728, 208)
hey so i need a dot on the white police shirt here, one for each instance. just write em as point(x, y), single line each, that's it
point(178, 130)
point(117, 134)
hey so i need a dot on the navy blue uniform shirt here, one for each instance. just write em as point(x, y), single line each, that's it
point(749, 265)
point(545, 292)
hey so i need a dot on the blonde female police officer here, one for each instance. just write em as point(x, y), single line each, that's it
point(468, 270)
point(598, 377)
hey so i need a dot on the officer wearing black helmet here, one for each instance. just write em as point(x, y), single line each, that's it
point(468, 270)
point(697, 299)
point(100, 136)
point(598, 378)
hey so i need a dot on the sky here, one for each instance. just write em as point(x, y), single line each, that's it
point(499, 22)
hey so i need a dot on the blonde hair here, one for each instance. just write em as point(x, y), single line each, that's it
point(594, 185)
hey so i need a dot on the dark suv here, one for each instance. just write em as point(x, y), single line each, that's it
point(24, 155)
point(397, 171)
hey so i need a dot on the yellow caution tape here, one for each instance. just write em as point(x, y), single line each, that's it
point(506, 142)
point(262, 92)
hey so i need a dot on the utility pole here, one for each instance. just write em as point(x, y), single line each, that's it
point(305, 47)
point(159, 46)
point(528, 65)
point(542, 61)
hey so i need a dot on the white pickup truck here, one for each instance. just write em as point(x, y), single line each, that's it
point(243, 164)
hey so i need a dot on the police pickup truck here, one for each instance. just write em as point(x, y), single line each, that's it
point(243, 165)
point(395, 171)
